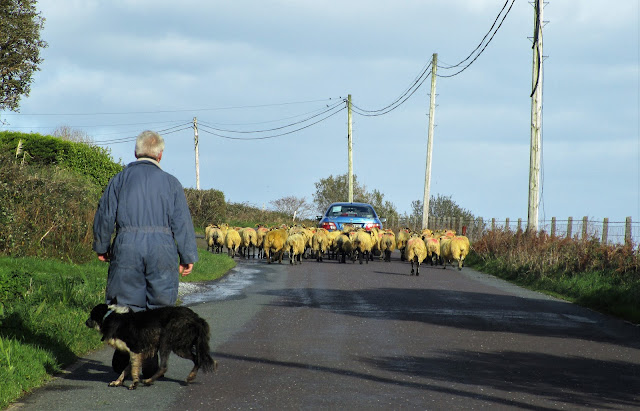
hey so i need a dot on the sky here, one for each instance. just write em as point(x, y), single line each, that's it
point(265, 71)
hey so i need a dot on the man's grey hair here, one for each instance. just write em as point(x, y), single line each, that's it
point(149, 143)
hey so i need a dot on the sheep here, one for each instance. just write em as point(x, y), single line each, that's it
point(344, 247)
point(273, 243)
point(332, 247)
point(216, 239)
point(249, 239)
point(232, 241)
point(401, 241)
point(415, 251)
point(207, 236)
point(362, 244)
point(319, 243)
point(387, 244)
point(454, 248)
point(307, 233)
point(433, 248)
point(295, 246)
point(426, 233)
point(375, 248)
point(261, 231)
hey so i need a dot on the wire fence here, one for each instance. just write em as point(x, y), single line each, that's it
point(605, 231)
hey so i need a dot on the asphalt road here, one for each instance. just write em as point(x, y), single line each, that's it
point(350, 336)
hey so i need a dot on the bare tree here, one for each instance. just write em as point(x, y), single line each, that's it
point(292, 205)
point(70, 134)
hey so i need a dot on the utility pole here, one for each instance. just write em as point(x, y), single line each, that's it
point(195, 137)
point(536, 120)
point(432, 114)
point(350, 143)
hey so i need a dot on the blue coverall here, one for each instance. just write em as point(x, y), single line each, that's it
point(154, 233)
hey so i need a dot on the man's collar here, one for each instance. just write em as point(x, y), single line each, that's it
point(149, 159)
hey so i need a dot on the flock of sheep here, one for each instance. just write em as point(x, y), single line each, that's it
point(440, 247)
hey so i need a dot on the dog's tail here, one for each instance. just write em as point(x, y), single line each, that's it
point(201, 344)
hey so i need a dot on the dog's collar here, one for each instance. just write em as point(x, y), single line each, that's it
point(107, 314)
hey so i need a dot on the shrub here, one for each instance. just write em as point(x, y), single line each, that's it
point(47, 211)
point(91, 161)
point(206, 206)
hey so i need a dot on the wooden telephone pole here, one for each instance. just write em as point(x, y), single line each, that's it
point(432, 114)
point(195, 137)
point(536, 120)
point(350, 143)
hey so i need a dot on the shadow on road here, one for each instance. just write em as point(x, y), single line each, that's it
point(378, 379)
point(576, 380)
point(467, 310)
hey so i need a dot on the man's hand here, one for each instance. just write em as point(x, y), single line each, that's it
point(103, 257)
point(185, 269)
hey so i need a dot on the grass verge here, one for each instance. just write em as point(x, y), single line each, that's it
point(605, 278)
point(43, 307)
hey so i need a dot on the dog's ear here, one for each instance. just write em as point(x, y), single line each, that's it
point(98, 312)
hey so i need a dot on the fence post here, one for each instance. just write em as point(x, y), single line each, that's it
point(585, 223)
point(627, 231)
point(481, 226)
point(493, 224)
point(553, 227)
point(506, 224)
point(605, 231)
point(519, 224)
point(569, 227)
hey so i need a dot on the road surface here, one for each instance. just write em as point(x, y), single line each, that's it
point(350, 336)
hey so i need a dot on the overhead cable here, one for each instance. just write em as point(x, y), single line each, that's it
point(128, 139)
point(481, 41)
point(326, 110)
point(170, 111)
point(417, 82)
point(205, 128)
point(483, 49)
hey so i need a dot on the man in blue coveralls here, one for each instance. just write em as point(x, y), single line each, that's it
point(154, 241)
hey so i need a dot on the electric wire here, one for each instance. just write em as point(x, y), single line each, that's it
point(481, 41)
point(169, 111)
point(392, 106)
point(483, 49)
point(128, 139)
point(339, 109)
point(362, 112)
point(268, 121)
point(330, 108)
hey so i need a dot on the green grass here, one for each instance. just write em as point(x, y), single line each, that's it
point(605, 278)
point(43, 307)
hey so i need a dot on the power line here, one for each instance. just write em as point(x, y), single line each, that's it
point(169, 111)
point(481, 41)
point(133, 138)
point(424, 74)
point(204, 128)
point(96, 125)
point(275, 120)
point(330, 108)
point(398, 101)
point(418, 81)
point(485, 46)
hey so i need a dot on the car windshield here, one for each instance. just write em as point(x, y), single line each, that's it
point(350, 211)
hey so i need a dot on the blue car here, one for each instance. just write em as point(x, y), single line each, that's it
point(360, 215)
